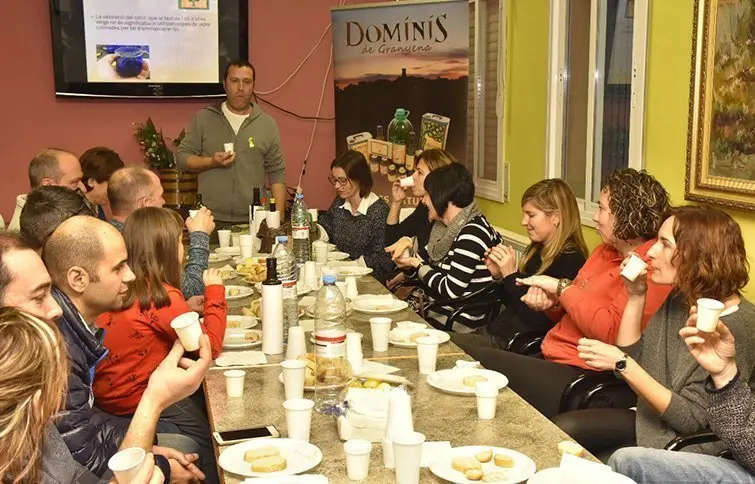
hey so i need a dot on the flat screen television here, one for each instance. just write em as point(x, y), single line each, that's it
point(146, 48)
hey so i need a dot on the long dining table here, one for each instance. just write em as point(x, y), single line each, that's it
point(439, 416)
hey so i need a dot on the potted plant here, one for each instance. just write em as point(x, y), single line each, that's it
point(180, 187)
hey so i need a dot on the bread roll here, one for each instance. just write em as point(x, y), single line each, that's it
point(470, 380)
point(464, 463)
point(473, 474)
point(484, 456)
point(260, 452)
point(502, 460)
point(571, 448)
point(269, 464)
point(494, 477)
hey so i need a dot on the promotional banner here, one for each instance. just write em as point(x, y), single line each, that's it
point(401, 80)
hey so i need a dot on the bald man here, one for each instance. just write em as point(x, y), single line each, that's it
point(135, 187)
point(87, 262)
point(51, 166)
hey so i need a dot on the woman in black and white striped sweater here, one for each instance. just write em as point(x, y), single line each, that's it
point(449, 198)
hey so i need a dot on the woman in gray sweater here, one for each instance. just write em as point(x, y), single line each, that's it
point(700, 251)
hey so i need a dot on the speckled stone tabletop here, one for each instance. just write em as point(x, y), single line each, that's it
point(440, 416)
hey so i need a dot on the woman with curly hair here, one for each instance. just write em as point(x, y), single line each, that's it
point(700, 252)
point(630, 212)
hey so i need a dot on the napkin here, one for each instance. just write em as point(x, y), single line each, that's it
point(430, 450)
point(241, 358)
point(577, 469)
point(301, 479)
point(374, 367)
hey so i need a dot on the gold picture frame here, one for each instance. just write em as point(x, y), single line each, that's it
point(721, 123)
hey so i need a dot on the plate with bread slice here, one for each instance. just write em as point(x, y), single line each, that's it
point(461, 381)
point(241, 339)
point(479, 463)
point(407, 338)
point(270, 457)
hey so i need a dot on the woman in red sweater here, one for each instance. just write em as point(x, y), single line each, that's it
point(631, 208)
point(140, 337)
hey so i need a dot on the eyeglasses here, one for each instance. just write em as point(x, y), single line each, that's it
point(338, 181)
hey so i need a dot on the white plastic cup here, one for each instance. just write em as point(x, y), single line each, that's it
point(246, 251)
point(297, 345)
point(228, 147)
point(320, 249)
point(407, 456)
point(354, 353)
point(313, 213)
point(235, 240)
point(298, 418)
point(357, 458)
point(188, 329)
point(487, 399)
point(407, 182)
point(633, 267)
point(427, 354)
point(310, 273)
point(351, 287)
point(708, 311)
point(380, 328)
point(224, 237)
point(126, 464)
point(294, 373)
point(341, 285)
point(234, 383)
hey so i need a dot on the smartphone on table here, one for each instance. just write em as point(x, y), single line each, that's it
point(236, 436)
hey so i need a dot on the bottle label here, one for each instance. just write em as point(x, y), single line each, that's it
point(330, 343)
point(399, 154)
point(300, 232)
point(289, 289)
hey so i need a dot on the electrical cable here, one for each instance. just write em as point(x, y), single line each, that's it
point(298, 116)
point(314, 126)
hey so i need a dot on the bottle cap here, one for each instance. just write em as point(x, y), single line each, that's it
point(401, 113)
point(299, 196)
point(283, 239)
point(329, 279)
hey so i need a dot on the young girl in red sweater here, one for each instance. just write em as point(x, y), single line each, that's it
point(139, 337)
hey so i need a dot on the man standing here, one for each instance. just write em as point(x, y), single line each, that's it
point(135, 187)
point(227, 179)
point(50, 167)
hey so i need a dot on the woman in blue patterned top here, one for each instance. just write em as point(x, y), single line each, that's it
point(355, 222)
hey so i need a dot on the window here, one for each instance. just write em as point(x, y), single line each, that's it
point(596, 92)
point(487, 61)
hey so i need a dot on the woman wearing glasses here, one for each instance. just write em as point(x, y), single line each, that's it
point(355, 222)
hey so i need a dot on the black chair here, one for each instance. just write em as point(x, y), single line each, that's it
point(697, 438)
point(483, 299)
point(526, 343)
point(597, 389)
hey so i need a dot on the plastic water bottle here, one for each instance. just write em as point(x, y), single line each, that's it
point(287, 274)
point(331, 366)
point(300, 230)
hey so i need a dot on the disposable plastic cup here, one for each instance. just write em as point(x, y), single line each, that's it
point(487, 399)
point(708, 311)
point(407, 456)
point(236, 240)
point(321, 251)
point(228, 147)
point(427, 354)
point(224, 237)
point(357, 458)
point(126, 464)
point(234, 383)
point(294, 374)
point(380, 328)
point(298, 418)
point(407, 182)
point(633, 267)
point(188, 329)
point(296, 345)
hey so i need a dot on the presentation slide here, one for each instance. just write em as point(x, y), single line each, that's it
point(151, 40)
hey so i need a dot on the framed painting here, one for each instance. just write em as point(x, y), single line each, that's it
point(721, 125)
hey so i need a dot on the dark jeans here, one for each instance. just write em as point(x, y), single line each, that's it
point(540, 382)
point(190, 421)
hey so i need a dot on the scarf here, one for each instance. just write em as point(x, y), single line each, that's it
point(442, 237)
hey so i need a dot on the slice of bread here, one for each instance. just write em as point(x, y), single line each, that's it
point(260, 452)
point(484, 456)
point(464, 463)
point(502, 460)
point(473, 474)
point(472, 379)
point(571, 448)
point(269, 464)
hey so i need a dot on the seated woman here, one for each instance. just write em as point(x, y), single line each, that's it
point(97, 164)
point(417, 227)
point(730, 414)
point(701, 253)
point(629, 214)
point(557, 249)
point(449, 199)
point(355, 221)
point(139, 337)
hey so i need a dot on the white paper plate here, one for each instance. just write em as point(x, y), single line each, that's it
point(441, 336)
point(300, 457)
point(228, 251)
point(244, 291)
point(218, 258)
point(553, 475)
point(238, 259)
point(238, 322)
point(452, 381)
point(344, 271)
point(380, 306)
point(234, 339)
point(337, 256)
point(522, 470)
